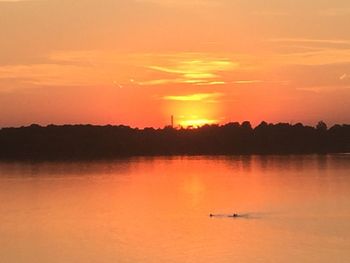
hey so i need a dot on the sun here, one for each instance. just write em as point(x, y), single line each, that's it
point(195, 123)
point(193, 110)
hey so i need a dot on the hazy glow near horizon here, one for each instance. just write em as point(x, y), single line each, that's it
point(138, 62)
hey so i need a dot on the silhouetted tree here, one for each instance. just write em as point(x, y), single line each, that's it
point(246, 125)
point(321, 126)
point(94, 142)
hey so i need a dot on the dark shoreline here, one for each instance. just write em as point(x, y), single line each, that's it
point(166, 157)
point(87, 142)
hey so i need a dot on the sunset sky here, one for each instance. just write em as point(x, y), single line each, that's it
point(137, 62)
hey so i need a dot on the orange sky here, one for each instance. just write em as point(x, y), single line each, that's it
point(137, 62)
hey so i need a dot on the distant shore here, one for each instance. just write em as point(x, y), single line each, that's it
point(71, 142)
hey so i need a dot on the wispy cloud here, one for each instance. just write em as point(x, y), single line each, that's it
point(271, 13)
point(344, 76)
point(310, 40)
point(52, 74)
point(309, 51)
point(194, 97)
point(186, 3)
point(319, 57)
point(323, 89)
point(248, 81)
point(210, 83)
point(97, 67)
point(198, 69)
point(335, 12)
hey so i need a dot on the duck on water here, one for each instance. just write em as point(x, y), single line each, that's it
point(230, 215)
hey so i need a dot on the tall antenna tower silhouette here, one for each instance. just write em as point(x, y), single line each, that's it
point(172, 121)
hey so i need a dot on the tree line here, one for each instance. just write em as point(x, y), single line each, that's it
point(68, 142)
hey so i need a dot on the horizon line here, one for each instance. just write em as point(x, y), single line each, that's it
point(170, 126)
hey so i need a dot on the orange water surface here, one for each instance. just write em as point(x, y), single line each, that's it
point(151, 210)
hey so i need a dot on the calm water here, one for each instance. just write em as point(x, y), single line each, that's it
point(143, 210)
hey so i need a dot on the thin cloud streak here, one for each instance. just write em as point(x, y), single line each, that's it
point(344, 76)
point(194, 97)
point(196, 70)
point(310, 40)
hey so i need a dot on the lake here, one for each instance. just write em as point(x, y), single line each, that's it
point(151, 210)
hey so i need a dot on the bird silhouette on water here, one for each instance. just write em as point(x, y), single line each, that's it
point(230, 215)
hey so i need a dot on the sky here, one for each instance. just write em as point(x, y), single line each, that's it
point(137, 62)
